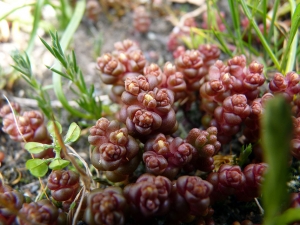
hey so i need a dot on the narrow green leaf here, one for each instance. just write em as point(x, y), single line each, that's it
point(66, 38)
point(276, 131)
point(37, 16)
point(50, 128)
point(58, 164)
point(47, 46)
point(37, 167)
point(274, 16)
point(236, 23)
point(35, 147)
point(290, 52)
point(223, 44)
point(246, 151)
point(60, 57)
point(75, 66)
point(289, 216)
point(4, 15)
point(73, 133)
point(58, 72)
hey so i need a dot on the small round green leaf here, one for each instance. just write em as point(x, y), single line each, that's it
point(50, 128)
point(37, 167)
point(73, 133)
point(58, 164)
point(35, 147)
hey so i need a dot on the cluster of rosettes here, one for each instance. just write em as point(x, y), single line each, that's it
point(231, 180)
point(206, 144)
point(115, 151)
point(191, 197)
point(153, 196)
point(147, 109)
point(105, 207)
point(127, 60)
point(228, 93)
point(64, 186)
point(28, 126)
point(41, 212)
point(150, 195)
point(287, 85)
point(233, 78)
point(14, 208)
point(195, 64)
point(252, 122)
point(164, 155)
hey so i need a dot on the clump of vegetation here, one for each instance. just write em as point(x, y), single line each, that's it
point(192, 140)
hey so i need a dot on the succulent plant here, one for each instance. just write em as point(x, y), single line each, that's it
point(149, 195)
point(42, 212)
point(12, 200)
point(191, 196)
point(105, 207)
point(227, 181)
point(113, 146)
point(63, 184)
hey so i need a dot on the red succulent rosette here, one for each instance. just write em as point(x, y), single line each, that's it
point(230, 115)
point(113, 145)
point(149, 195)
point(181, 152)
point(190, 64)
point(220, 83)
point(42, 212)
point(30, 127)
point(228, 180)
point(154, 70)
point(155, 163)
point(142, 121)
point(63, 184)
point(205, 141)
point(125, 46)
point(166, 155)
point(287, 85)
point(134, 61)
point(254, 175)
point(191, 195)
point(12, 199)
point(105, 207)
point(111, 68)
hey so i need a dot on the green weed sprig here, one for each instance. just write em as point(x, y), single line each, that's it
point(23, 65)
point(86, 99)
point(39, 167)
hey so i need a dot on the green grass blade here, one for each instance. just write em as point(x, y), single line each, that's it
point(289, 55)
point(274, 16)
point(260, 35)
point(6, 14)
point(37, 15)
point(66, 38)
point(222, 43)
point(58, 72)
point(236, 23)
point(277, 128)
